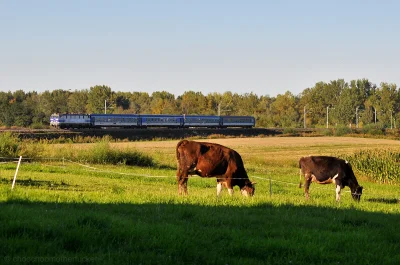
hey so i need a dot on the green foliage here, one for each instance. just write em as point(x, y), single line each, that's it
point(328, 132)
point(342, 130)
point(97, 97)
point(379, 165)
point(102, 153)
point(290, 131)
point(99, 153)
point(37, 125)
point(372, 129)
point(9, 145)
point(340, 98)
point(284, 110)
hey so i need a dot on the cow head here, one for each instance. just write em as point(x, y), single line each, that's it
point(357, 193)
point(248, 189)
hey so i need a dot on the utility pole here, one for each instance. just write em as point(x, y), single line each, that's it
point(105, 106)
point(357, 116)
point(305, 125)
point(391, 119)
point(327, 116)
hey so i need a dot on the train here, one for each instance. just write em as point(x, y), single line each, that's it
point(78, 121)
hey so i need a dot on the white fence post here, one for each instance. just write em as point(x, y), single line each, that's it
point(16, 172)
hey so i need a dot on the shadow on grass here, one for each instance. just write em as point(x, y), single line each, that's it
point(179, 233)
point(384, 200)
point(37, 183)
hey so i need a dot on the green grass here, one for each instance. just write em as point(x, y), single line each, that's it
point(117, 214)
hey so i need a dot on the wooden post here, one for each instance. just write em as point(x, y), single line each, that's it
point(16, 172)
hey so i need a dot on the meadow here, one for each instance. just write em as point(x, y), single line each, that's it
point(67, 209)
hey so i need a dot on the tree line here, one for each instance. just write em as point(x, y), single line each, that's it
point(357, 103)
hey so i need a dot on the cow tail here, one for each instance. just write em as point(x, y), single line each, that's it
point(182, 142)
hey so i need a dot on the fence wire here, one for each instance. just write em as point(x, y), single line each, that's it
point(94, 169)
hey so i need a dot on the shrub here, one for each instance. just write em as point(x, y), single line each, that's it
point(342, 130)
point(327, 132)
point(38, 125)
point(9, 145)
point(290, 131)
point(372, 129)
point(101, 153)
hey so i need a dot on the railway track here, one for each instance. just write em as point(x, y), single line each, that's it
point(140, 134)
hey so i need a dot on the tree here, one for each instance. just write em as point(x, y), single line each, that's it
point(122, 102)
point(163, 103)
point(345, 110)
point(33, 103)
point(247, 104)
point(98, 97)
point(263, 113)
point(387, 95)
point(6, 118)
point(140, 103)
point(212, 103)
point(77, 101)
point(192, 102)
point(319, 97)
point(283, 110)
point(225, 104)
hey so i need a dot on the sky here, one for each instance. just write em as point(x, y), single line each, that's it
point(263, 47)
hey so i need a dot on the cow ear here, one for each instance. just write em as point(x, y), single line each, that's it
point(253, 183)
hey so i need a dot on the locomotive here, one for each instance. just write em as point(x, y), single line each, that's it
point(75, 121)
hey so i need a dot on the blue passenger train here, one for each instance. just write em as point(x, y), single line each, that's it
point(67, 120)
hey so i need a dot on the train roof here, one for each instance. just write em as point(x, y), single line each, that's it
point(115, 115)
point(206, 116)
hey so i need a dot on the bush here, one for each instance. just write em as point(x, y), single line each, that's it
point(372, 129)
point(101, 153)
point(290, 131)
point(9, 145)
point(327, 132)
point(342, 130)
point(38, 125)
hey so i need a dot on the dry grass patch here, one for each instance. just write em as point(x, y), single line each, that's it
point(269, 150)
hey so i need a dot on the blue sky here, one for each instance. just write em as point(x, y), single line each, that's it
point(264, 47)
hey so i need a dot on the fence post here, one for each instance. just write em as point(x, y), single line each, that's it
point(16, 172)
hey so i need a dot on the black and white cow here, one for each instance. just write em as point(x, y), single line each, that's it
point(328, 169)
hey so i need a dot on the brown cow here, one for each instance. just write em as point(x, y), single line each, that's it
point(211, 160)
point(328, 169)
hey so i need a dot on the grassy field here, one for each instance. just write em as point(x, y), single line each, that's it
point(71, 213)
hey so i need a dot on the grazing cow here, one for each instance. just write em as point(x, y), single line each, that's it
point(327, 169)
point(211, 160)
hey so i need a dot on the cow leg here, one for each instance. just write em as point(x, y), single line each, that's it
point(307, 182)
point(228, 185)
point(178, 179)
point(338, 188)
point(182, 178)
point(219, 188)
point(183, 185)
point(301, 176)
